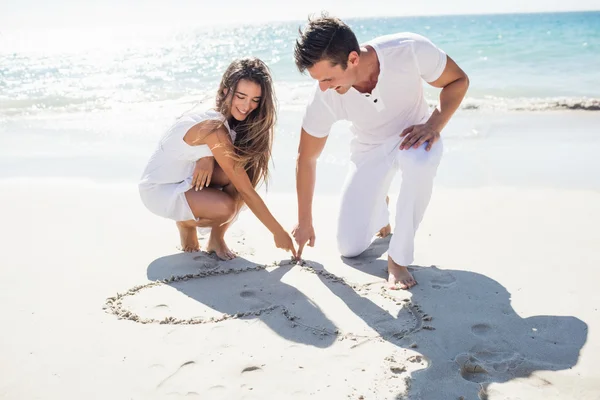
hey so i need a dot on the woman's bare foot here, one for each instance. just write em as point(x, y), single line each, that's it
point(217, 245)
point(386, 230)
point(188, 235)
point(399, 275)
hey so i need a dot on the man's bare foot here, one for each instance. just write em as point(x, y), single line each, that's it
point(386, 230)
point(399, 276)
point(218, 246)
point(188, 235)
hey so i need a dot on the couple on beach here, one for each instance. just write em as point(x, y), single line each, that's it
point(208, 164)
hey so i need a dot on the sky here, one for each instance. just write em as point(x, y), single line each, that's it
point(39, 14)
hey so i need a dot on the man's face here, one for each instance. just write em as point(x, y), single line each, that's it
point(333, 77)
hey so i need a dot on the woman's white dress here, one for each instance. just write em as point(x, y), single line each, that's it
point(169, 172)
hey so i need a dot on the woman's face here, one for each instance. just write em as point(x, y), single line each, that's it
point(245, 99)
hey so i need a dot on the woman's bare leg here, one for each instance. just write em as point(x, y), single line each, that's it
point(212, 208)
point(216, 242)
point(188, 236)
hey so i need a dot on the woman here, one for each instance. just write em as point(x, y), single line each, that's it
point(209, 164)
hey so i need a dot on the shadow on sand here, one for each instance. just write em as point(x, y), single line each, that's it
point(473, 336)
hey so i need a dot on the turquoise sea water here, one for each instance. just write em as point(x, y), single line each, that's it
point(92, 103)
point(535, 58)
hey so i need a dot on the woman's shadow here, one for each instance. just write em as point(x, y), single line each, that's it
point(289, 313)
point(473, 336)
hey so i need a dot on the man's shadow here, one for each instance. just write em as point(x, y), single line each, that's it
point(292, 313)
point(477, 337)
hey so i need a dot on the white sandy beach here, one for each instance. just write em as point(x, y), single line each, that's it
point(506, 306)
point(98, 302)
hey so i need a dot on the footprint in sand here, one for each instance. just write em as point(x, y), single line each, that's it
point(253, 299)
point(192, 395)
point(474, 372)
point(183, 374)
point(481, 329)
point(251, 368)
point(183, 383)
point(247, 294)
point(207, 261)
point(494, 366)
point(442, 280)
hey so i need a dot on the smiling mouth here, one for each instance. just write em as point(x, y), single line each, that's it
point(241, 112)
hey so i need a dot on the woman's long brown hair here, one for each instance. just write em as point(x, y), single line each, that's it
point(254, 140)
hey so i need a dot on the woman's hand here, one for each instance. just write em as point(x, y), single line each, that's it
point(283, 240)
point(203, 172)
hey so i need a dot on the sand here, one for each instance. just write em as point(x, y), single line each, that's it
point(97, 302)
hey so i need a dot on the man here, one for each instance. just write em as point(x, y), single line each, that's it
point(378, 87)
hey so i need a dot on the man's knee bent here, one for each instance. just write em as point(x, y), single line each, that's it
point(419, 161)
point(351, 237)
point(351, 247)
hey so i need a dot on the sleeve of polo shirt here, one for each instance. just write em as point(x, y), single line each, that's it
point(431, 60)
point(319, 115)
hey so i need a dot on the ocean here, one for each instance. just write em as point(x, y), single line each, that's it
point(91, 104)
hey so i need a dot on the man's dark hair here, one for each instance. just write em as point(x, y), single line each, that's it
point(324, 38)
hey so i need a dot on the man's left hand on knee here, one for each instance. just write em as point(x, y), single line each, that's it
point(416, 135)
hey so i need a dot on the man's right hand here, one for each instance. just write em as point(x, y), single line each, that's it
point(303, 234)
point(306, 174)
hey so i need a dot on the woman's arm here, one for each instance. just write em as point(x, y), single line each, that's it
point(220, 144)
